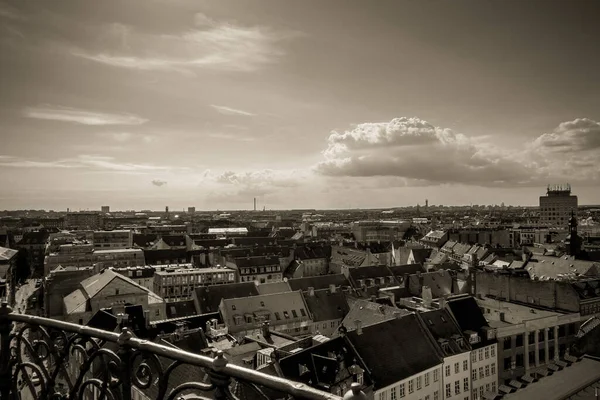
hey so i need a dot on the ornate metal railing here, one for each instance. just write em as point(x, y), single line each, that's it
point(42, 358)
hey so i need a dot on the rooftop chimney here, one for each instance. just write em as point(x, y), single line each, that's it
point(358, 325)
point(265, 329)
point(427, 296)
point(311, 291)
point(332, 288)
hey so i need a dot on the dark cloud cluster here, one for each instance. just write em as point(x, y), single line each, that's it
point(158, 183)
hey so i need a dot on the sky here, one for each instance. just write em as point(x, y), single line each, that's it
point(143, 104)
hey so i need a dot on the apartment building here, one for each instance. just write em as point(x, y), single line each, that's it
point(177, 282)
point(556, 206)
point(117, 239)
point(263, 269)
point(143, 276)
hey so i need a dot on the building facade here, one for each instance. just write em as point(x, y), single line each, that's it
point(556, 206)
point(178, 282)
point(117, 239)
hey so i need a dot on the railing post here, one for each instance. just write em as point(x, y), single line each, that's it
point(124, 354)
point(6, 326)
point(220, 381)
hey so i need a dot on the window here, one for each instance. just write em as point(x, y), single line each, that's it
point(474, 374)
point(480, 372)
point(456, 368)
point(383, 396)
point(465, 365)
point(457, 387)
point(303, 312)
point(427, 379)
point(411, 386)
point(481, 391)
point(493, 351)
point(419, 382)
point(286, 315)
point(493, 367)
point(402, 390)
point(494, 387)
point(233, 307)
point(157, 313)
point(475, 394)
point(487, 370)
point(447, 370)
point(294, 314)
point(116, 291)
point(436, 375)
point(393, 394)
point(466, 384)
point(448, 391)
point(480, 354)
point(436, 395)
point(487, 387)
point(487, 353)
point(277, 316)
point(473, 357)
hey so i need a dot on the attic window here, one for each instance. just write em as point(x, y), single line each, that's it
point(294, 314)
point(233, 307)
point(116, 291)
point(277, 316)
point(286, 315)
point(303, 312)
point(262, 303)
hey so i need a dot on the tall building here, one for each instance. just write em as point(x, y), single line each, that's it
point(191, 210)
point(105, 209)
point(556, 206)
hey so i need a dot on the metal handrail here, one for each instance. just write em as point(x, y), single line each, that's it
point(126, 339)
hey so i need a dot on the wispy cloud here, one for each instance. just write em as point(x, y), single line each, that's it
point(83, 117)
point(228, 136)
point(93, 162)
point(123, 137)
point(211, 44)
point(231, 111)
point(159, 183)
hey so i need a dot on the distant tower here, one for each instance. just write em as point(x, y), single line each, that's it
point(426, 203)
point(573, 241)
point(418, 210)
point(167, 212)
point(255, 204)
point(105, 209)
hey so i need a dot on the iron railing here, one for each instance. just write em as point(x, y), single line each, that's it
point(42, 358)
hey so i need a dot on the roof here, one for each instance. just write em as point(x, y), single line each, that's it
point(278, 308)
point(144, 240)
point(394, 350)
point(370, 313)
point(38, 237)
point(440, 283)
point(184, 308)
point(153, 257)
point(227, 230)
point(377, 271)
point(7, 254)
point(449, 245)
point(308, 252)
point(318, 366)
point(208, 298)
point(327, 306)
point(273, 287)
point(469, 317)
point(318, 282)
point(103, 320)
point(256, 261)
point(421, 255)
point(461, 248)
point(174, 240)
point(75, 302)
point(444, 329)
point(551, 267)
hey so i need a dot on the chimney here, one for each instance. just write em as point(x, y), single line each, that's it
point(358, 325)
point(147, 318)
point(332, 288)
point(265, 329)
point(427, 296)
point(442, 302)
point(311, 291)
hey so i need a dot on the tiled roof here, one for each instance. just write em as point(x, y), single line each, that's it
point(468, 315)
point(550, 267)
point(312, 252)
point(273, 287)
point(449, 245)
point(144, 240)
point(318, 282)
point(208, 298)
point(326, 306)
point(394, 350)
point(461, 248)
point(440, 283)
point(176, 309)
point(377, 271)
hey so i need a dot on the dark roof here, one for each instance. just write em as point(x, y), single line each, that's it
point(442, 327)
point(256, 261)
point(370, 313)
point(177, 309)
point(153, 257)
point(378, 271)
point(467, 313)
point(421, 255)
point(236, 252)
point(318, 282)
point(254, 241)
point(318, 366)
point(30, 238)
point(144, 240)
point(103, 320)
point(207, 243)
point(327, 306)
point(395, 350)
point(208, 298)
point(174, 240)
point(307, 252)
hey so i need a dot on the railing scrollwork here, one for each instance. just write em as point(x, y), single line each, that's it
point(57, 360)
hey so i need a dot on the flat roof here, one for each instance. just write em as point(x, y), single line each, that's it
point(188, 271)
point(513, 313)
point(562, 384)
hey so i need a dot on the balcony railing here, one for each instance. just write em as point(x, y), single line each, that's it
point(42, 358)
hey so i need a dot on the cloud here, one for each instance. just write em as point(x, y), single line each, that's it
point(92, 162)
point(82, 116)
point(210, 44)
point(422, 154)
point(123, 137)
point(158, 183)
point(231, 111)
point(253, 183)
point(228, 136)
